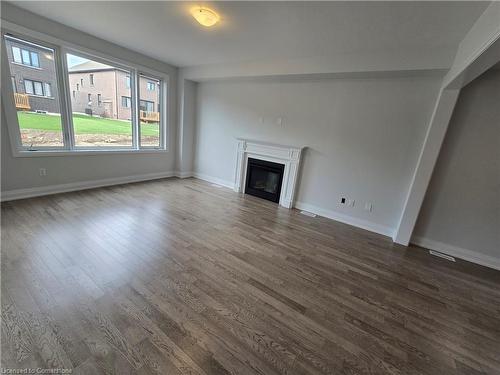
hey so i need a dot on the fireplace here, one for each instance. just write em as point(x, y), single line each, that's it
point(264, 179)
point(285, 158)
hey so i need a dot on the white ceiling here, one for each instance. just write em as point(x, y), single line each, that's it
point(258, 31)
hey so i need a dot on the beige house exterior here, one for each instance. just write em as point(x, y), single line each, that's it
point(102, 90)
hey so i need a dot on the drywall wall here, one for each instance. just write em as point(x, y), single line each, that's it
point(186, 125)
point(461, 210)
point(482, 34)
point(476, 53)
point(23, 173)
point(362, 136)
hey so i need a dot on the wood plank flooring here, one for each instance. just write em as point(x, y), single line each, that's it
point(183, 277)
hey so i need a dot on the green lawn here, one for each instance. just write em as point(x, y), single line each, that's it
point(83, 124)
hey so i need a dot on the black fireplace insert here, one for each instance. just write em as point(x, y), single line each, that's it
point(264, 179)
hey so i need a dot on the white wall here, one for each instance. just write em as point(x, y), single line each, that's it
point(483, 33)
point(22, 173)
point(478, 51)
point(461, 210)
point(362, 136)
point(186, 125)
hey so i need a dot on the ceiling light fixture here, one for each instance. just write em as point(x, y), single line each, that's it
point(206, 17)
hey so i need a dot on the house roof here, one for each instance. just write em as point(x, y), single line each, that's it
point(89, 66)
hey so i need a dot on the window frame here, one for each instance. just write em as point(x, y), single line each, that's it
point(37, 59)
point(148, 102)
point(26, 55)
point(127, 100)
point(38, 85)
point(26, 91)
point(29, 56)
point(60, 48)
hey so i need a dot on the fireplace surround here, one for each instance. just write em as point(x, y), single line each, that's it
point(288, 156)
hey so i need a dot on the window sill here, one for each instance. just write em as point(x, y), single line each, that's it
point(26, 65)
point(40, 96)
point(34, 154)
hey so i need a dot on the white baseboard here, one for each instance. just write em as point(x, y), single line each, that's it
point(183, 174)
point(346, 219)
point(9, 195)
point(457, 252)
point(214, 180)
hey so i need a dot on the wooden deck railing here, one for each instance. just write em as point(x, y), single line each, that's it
point(22, 101)
point(149, 116)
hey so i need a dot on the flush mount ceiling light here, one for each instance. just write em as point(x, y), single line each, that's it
point(206, 17)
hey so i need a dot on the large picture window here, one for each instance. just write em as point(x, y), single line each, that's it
point(122, 108)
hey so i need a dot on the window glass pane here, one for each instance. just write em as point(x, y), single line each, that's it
point(149, 111)
point(38, 88)
point(126, 102)
point(16, 52)
point(28, 87)
point(26, 57)
point(110, 123)
point(34, 59)
point(39, 117)
point(147, 106)
point(48, 92)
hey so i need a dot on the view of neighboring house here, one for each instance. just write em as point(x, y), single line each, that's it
point(96, 89)
point(103, 90)
point(33, 76)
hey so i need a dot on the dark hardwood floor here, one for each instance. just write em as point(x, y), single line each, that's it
point(182, 277)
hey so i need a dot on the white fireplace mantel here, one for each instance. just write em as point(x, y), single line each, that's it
point(289, 156)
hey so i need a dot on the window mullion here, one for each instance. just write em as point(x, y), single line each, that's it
point(164, 111)
point(136, 141)
point(66, 112)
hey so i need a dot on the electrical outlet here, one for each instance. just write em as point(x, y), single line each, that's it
point(368, 207)
point(42, 171)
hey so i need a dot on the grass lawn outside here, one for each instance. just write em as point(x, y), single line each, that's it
point(82, 124)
